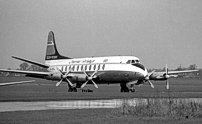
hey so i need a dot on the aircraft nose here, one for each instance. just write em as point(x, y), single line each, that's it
point(140, 75)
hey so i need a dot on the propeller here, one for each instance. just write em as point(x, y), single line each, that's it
point(147, 79)
point(167, 77)
point(90, 78)
point(64, 76)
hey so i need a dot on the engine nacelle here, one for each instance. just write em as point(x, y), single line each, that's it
point(79, 78)
point(54, 76)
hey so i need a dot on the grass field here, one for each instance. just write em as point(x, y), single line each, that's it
point(87, 116)
point(43, 90)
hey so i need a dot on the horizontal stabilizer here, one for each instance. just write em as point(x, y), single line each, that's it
point(26, 72)
point(32, 62)
point(14, 83)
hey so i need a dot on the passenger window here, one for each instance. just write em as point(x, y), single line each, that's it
point(103, 67)
point(94, 67)
point(85, 67)
point(98, 67)
point(66, 68)
point(77, 67)
point(89, 67)
point(70, 67)
point(73, 67)
point(81, 67)
point(128, 62)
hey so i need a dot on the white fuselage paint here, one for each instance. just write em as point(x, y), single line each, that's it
point(110, 69)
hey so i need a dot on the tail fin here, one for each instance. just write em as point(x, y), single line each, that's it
point(51, 50)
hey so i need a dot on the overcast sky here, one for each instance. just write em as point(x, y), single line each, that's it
point(158, 32)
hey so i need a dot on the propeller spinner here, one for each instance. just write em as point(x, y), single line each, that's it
point(90, 78)
point(64, 76)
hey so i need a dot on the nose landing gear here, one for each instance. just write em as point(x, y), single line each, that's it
point(127, 88)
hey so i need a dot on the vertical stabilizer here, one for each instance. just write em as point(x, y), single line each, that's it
point(51, 50)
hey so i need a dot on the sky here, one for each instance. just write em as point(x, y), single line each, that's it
point(159, 32)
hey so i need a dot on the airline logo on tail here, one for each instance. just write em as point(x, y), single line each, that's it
point(51, 50)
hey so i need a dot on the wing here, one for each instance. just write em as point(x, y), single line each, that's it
point(27, 73)
point(32, 62)
point(185, 71)
point(14, 83)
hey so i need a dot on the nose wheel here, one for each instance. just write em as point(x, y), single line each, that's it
point(125, 88)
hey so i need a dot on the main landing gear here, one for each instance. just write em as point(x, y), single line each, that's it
point(72, 88)
point(125, 88)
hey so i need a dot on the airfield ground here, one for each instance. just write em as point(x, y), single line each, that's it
point(43, 90)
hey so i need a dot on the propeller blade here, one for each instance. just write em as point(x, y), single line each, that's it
point(166, 69)
point(85, 73)
point(167, 84)
point(59, 70)
point(70, 83)
point(151, 73)
point(58, 83)
point(94, 84)
point(94, 73)
point(150, 83)
point(84, 84)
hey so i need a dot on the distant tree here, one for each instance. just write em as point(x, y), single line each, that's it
point(24, 66)
point(192, 67)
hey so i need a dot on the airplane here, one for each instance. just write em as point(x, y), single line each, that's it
point(159, 76)
point(77, 72)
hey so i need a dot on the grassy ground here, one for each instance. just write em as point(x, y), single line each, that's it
point(88, 116)
point(43, 90)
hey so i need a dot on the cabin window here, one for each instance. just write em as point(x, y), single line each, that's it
point(94, 67)
point(77, 67)
point(98, 67)
point(66, 68)
point(128, 62)
point(73, 68)
point(103, 67)
point(81, 67)
point(70, 67)
point(85, 67)
point(89, 67)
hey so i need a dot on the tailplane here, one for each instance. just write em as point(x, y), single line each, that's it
point(51, 50)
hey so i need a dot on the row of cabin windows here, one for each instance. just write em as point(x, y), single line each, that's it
point(83, 67)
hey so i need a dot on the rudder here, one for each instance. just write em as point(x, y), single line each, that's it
point(51, 50)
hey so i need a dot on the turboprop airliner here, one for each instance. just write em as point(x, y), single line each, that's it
point(77, 72)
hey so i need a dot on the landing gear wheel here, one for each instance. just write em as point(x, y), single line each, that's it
point(72, 89)
point(124, 88)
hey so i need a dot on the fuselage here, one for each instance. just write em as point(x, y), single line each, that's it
point(113, 69)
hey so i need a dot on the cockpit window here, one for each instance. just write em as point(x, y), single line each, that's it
point(128, 62)
point(132, 61)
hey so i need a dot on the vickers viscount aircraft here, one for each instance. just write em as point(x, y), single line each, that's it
point(77, 72)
